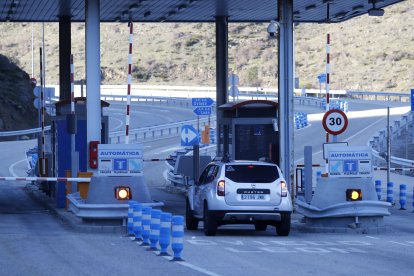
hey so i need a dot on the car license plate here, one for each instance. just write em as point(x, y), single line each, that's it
point(252, 197)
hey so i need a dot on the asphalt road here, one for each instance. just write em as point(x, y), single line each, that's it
point(33, 241)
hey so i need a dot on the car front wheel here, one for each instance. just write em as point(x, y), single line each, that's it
point(283, 227)
point(210, 224)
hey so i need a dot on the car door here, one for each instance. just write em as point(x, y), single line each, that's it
point(198, 189)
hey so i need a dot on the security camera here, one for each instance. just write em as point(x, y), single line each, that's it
point(272, 29)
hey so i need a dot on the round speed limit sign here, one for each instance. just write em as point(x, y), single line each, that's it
point(335, 121)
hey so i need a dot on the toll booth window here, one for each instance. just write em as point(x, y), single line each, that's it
point(252, 141)
point(252, 173)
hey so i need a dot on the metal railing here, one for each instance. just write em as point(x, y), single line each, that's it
point(158, 131)
point(387, 96)
point(379, 141)
point(22, 132)
point(183, 102)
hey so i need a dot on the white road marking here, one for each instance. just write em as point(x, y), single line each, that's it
point(197, 268)
point(11, 168)
point(191, 266)
point(171, 149)
point(234, 250)
point(121, 123)
point(371, 237)
point(400, 243)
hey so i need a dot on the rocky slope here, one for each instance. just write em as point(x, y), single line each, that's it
point(16, 98)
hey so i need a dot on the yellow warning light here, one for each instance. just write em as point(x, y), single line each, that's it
point(353, 194)
point(122, 193)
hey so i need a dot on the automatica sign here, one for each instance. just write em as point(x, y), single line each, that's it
point(103, 153)
point(349, 155)
point(350, 162)
point(120, 160)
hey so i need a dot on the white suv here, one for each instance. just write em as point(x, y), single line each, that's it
point(239, 192)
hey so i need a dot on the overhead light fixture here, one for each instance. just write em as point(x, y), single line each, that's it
point(182, 7)
point(125, 13)
point(340, 14)
point(162, 19)
point(117, 19)
point(13, 7)
point(171, 13)
point(133, 7)
point(147, 13)
point(374, 11)
point(310, 7)
point(328, 1)
point(357, 8)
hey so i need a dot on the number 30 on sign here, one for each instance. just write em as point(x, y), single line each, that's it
point(335, 121)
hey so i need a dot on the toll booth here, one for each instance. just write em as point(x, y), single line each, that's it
point(249, 130)
point(60, 157)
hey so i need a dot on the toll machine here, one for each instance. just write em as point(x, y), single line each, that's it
point(249, 130)
point(59, 161)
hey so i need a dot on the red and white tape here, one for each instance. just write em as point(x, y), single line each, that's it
point(328, 71)
point(54, 179)
point(72, 87)
point(129, 84)
point(42, 113)
point(157, 159)
point(394, 169)
point(328, 68)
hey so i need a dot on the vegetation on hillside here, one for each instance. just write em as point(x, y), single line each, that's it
point(368, 53)
point(16, 98)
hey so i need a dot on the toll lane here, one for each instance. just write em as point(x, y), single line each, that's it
point(33, 241)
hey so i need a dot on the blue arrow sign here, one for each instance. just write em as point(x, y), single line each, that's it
point(322, 78)
point(202, 101)
point(202, 110)
point(189, 136)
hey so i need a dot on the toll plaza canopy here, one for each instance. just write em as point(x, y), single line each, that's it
point(323, 11)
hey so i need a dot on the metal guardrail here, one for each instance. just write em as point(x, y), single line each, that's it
point(101, 211)
point(267, 93)
point(22, 132)
point(378, 140)
point(151, 132)
point(366, 95)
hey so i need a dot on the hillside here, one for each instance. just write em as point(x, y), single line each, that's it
point(374, 54)
point(16, 98)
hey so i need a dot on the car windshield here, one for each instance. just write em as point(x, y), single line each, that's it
point(252, 173)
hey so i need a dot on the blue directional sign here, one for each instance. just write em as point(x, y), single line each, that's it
point(412, 100)
point(189, 136)
point(202, 110)
point(202, 101)
point(322, 78)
